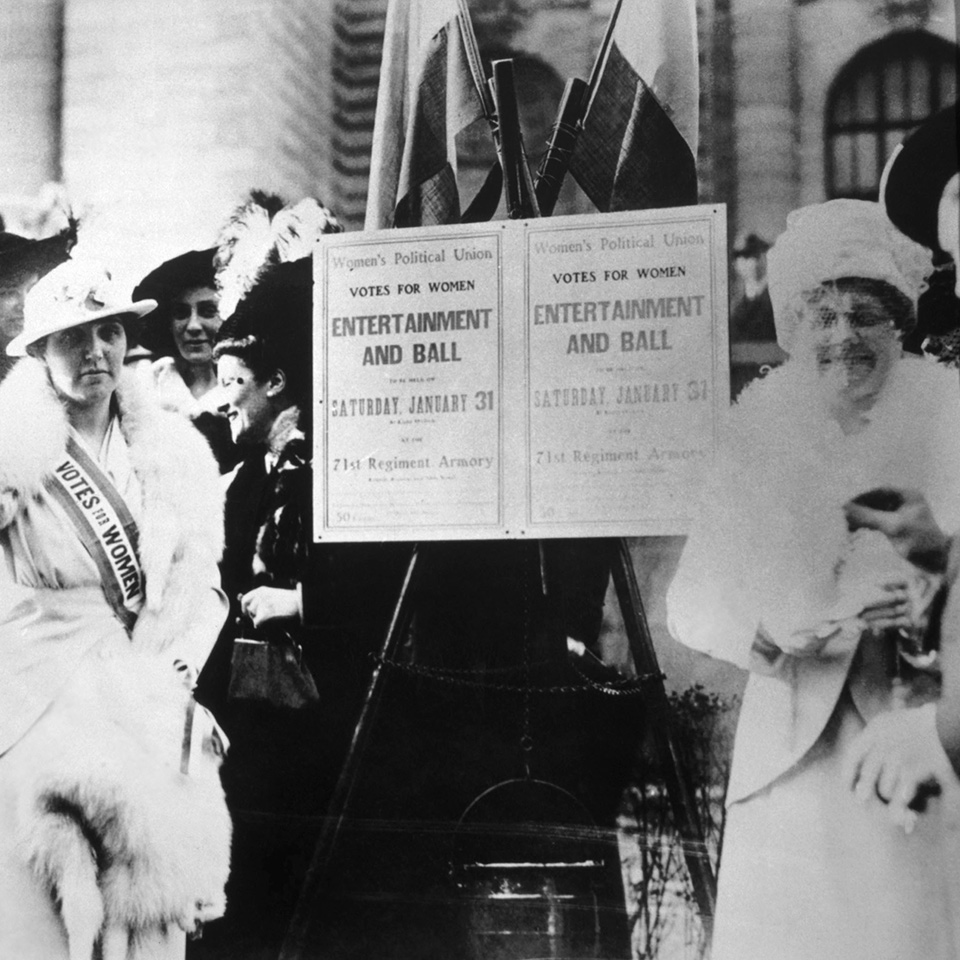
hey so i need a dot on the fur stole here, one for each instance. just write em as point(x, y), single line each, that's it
point(772, 538)
point(181, 526)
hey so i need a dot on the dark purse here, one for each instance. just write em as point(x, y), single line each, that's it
point(271, 671)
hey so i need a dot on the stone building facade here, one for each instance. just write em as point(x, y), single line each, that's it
point(158, 117)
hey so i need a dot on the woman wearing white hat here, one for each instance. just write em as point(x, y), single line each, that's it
point(775, 579)
point(113, 829)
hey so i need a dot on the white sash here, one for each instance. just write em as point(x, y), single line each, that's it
point(105, 526)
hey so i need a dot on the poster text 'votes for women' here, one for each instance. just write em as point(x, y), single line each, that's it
point(537, 378)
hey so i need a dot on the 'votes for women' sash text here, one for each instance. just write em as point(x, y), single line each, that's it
point(105, 526)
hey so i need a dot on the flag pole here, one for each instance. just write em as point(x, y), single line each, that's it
point(595, 73)
point(485, 203)
point(574, 107)
point(555, 162)
point(474, 61)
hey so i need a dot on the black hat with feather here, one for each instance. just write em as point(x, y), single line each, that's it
point(22, 259)
point(265, 278)
point(272, 324)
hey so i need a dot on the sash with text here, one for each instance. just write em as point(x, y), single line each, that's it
point(105, 526)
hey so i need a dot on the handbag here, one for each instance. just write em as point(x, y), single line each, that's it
point(271, 671)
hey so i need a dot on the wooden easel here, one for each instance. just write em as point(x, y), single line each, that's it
point(522, 202)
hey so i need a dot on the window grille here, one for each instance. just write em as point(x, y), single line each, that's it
point(884, 92)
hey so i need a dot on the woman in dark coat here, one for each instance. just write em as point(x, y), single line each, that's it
point(310, 601)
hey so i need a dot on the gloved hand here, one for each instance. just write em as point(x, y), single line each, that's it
point(910, 527)
point(898, 760)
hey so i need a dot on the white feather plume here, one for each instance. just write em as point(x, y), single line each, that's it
point(263, 231)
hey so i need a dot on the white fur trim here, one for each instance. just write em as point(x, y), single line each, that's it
point(181, 530)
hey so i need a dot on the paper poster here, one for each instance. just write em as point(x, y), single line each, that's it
point(555, 377)
point(410, 349)
point(626, 363)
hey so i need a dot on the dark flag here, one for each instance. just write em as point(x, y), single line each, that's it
point(638, 148)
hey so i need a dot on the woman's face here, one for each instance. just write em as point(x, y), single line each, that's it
point(11, 306)
point(948, 222)
point(85, 361)
point(194, 321)
point(853, 342)
point(244, 400)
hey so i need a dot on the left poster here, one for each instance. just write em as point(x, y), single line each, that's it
point(410, 385)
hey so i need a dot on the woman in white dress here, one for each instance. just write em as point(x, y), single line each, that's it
point(774, 579)
point(114, 835)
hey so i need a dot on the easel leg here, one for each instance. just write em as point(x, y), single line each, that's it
point(657, 711)
point(304, 912)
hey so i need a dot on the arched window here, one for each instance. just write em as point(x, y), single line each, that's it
point(883, 92)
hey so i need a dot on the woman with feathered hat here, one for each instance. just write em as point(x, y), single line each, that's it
point(778, 578)
point(22, 263)
point(114, 835)
point(307, 603)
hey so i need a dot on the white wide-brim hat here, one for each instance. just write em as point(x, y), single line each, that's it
point(72, 294)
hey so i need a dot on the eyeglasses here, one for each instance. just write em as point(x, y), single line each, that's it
point(862, 316)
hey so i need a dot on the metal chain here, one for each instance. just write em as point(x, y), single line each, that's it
point(623, 686)
point(628, 686)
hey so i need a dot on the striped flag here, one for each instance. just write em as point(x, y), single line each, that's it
point(638, 147)
point(427, 95)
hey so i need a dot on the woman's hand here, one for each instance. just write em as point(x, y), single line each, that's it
point(888, 608)
point(910, 527)
point(866, 605)
point(897, 759)
point(264, 604)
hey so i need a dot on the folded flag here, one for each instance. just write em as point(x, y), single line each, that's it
point(638, 147)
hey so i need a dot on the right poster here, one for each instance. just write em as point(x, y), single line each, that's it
point(626, 368)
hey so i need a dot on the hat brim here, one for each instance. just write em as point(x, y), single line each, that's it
point(22, 257)
point(188, 271)
point(17, 347)
point(916, 173)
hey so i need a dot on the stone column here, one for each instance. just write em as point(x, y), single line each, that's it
point(765, 95)
point(30, 78)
